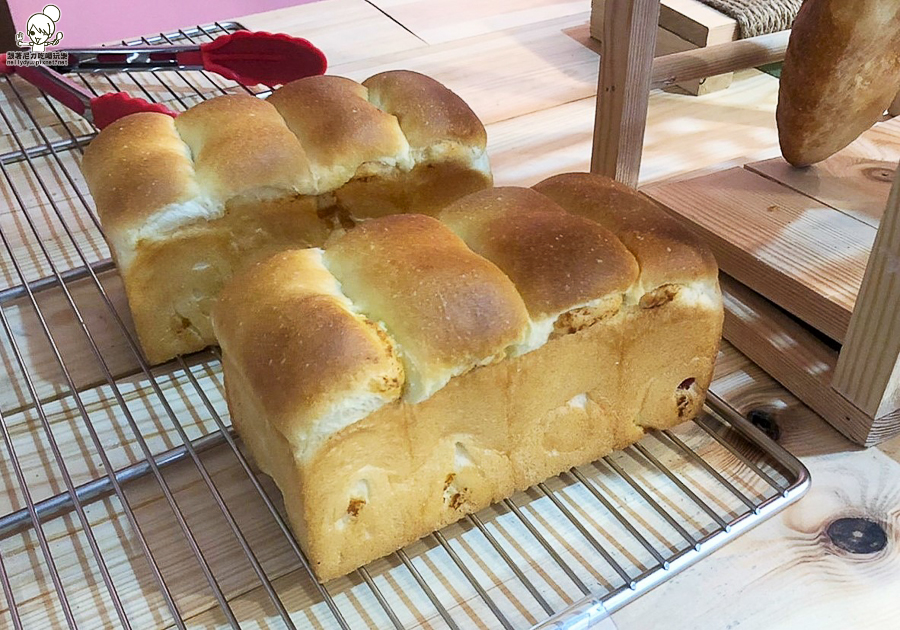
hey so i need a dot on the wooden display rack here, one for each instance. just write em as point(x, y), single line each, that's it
point(812, 256)
point(684, 25)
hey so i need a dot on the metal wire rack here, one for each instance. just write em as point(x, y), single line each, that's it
point(129, 502)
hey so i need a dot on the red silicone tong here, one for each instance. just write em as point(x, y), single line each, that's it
point(100, 110)
point(250, 58)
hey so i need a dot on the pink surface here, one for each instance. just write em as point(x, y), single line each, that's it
point(89, 22)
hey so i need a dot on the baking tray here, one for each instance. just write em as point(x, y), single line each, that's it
point(130, 503)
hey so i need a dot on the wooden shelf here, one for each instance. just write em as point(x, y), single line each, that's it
point(801, 239)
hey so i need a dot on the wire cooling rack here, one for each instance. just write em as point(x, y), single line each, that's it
point(128, 502)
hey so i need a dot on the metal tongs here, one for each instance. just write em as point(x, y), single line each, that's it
point(249, 58)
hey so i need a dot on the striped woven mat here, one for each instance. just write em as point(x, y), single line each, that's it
point(758, 17)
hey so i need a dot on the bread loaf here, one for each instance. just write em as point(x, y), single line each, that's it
point(841, 72)
point(186, 202)
point(418, 369)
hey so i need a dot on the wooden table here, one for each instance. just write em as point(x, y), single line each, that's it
point(528, 69)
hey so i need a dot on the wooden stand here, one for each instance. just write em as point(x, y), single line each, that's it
point(868, 370)
point(683, 25)
point(800, 239)
point(624, 84)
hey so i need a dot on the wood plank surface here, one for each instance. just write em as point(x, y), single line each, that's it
point(793, 355)
point(806, 257)
point(518, 71)
point(788, 573)
point(856, 180)
point(439, 21)
point(529, 148)
point(345, 30)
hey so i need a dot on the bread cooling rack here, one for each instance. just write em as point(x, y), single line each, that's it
point(128, 502)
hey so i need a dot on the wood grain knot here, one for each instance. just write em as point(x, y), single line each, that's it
point(857, 535)
point(763, 420)
point(879, 174)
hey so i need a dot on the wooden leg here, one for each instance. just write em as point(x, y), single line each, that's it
point(624, 87)
point(868, 369)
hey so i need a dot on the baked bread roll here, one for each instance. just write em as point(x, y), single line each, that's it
point(186, 202)
point(841, 72)
point(418, 369)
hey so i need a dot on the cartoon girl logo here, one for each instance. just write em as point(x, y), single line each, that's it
point(40, 29)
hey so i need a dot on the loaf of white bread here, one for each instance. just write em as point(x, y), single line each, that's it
point(418, 368)
point(186, 202)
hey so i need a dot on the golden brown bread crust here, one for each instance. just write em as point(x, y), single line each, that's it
point(665, 250)
point(240, 145)
point(841, 72)
point(138, 165)
point(186, 204)
point(429, 113)
point(556, 260)
point(447, 307)
point(311, 367)
point(339, 129)
point(447, 145)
